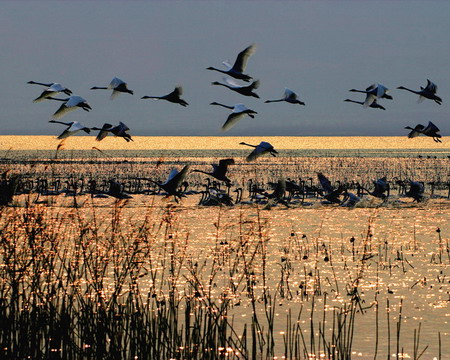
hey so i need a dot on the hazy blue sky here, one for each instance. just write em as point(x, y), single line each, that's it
point(320, 49)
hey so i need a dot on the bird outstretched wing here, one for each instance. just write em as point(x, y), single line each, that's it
point(242, 58)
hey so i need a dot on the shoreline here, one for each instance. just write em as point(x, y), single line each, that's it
point(44, 142)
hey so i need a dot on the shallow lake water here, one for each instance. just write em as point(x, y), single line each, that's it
point(308, 256)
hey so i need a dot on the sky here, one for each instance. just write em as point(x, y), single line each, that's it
point(319, 49)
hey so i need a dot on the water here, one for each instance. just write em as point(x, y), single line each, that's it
point(191, 146)
point(409, 259)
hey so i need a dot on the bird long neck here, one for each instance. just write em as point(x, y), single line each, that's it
point(218, 83)
point(270, 101)
point(413, 91)
point(360, 91)
point(38, 83)
point(356, 102)
point(243, 143)
point(215, 69)
point(99, 88)
point(60, 122)
point(52, 98)
point(225, 106)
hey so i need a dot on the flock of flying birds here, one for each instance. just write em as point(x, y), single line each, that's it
point(373, 94)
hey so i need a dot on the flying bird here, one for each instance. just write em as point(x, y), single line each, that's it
point(330, 193)
point(373, 92)
point(52, 89)
point(381, 188)
point(289, 96)
point(261, 149)
point(243, 90)
point(429, 92)
point(72, 128)
point(117, 86)
point(238, 111)
point(174, 97)
point(118, 130)
point(237, 70)
point(173, 183)
point(373, 105)
point(430, 130)
point(71, 103)
point(219, 171)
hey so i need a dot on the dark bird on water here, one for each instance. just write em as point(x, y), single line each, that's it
point(237, 70)
point(174, 97)
point(416, 190)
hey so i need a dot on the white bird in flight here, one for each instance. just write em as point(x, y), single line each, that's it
point(52, 89)
point(289, 96)
point(243, 90)
point(72, 128)
point(117, 86)
point(261, 149)
point(237, 70)
point(238, 111)
point(373, 92)
point(71, 103)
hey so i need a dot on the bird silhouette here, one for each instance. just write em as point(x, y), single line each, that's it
point(427, 92)
point(381, 188)
point(117, 86)
point(116, 189)
point(243, 90)
point(329, 192)
point(174, 97)
point(237, 70)
point(238, 111)
point(261, 149)
point(172, 185)
point(430, 130)
point(416, 190)
point(219, 170)
point(118, 130)
point(373, 105)
point(52, 89)
point(71, 103)
point(72, 128)
point(373, 92)
point(289, 96)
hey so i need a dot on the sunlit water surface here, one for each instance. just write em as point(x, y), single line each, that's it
point(309, 248)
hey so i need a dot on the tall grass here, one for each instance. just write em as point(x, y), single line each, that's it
point(74, 285)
